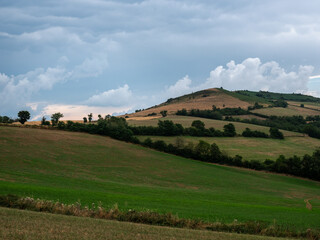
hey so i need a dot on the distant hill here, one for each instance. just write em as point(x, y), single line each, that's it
point(198, 100)
point(299, 104)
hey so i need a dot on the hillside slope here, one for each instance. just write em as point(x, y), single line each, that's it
point(199, 100)
point(221, 98)
point(75, 166)
point(21, 224)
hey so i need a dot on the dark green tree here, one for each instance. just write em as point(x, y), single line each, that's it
point(55, 118)
point(229, 130)
point(23, 116)
point(164, 113)
point(275, 133)
point(198, 124)
point(90, 117)
point(85, 119)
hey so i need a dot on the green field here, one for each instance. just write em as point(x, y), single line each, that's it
point(70, 167)
point(186, 121)
point(21, 224)
point(253, 148)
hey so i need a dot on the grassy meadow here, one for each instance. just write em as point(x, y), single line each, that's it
point(22, 224)
point(70, 167)
point(186, 121)
point(252, 148)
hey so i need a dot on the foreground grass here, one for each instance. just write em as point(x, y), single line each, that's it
point(23, 224)
point(66, 166)
point(186, 121)
point(252, 148)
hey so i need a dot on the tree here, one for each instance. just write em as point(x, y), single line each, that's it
point(198, 124)
point(229, 130)
point(164, 113)
point(23, 116)
point(275, 133)
point(55, 118)
point(99, 116)
point(85, 119)
point(44, 121)
point(203, 150)
point(90, 117)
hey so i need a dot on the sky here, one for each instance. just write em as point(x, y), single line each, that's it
point(111, 57)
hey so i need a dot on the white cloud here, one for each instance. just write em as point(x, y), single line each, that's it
point(314, 77)
point(121, 96)
point(251, 74)
point(181, 87)
point(17, 90)
point(77, 112)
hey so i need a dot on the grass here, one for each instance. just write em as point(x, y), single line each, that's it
point(68, 167)
point(288, 111)
point(253, 148)
point(198, 100)
point(186, 121)
point(21, 224)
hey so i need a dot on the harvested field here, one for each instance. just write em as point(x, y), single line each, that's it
point(254, 148)
point(289, 111)
point(186, 121)
point(22, 224)
point(199, 101)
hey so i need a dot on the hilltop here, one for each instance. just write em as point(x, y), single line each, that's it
point(298, 104)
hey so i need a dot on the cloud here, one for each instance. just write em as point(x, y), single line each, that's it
point(121, 96)
point(251, 74)
point(181, 87)
point(77, 112)
point(17, 90)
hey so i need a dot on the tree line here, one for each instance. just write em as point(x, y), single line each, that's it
point(309, 125)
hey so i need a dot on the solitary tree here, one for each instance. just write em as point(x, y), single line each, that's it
point(55, 118)
point(90, 117)
point(23, 116)
point(164, 113)
point(85, 119)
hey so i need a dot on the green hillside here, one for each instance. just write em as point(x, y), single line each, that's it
point(265, 97)
point(69, 167)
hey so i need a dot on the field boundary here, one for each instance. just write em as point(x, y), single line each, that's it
point(153, 218)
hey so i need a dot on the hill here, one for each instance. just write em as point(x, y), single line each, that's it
point(199, 100)
point(221, 98)
point(75, 166)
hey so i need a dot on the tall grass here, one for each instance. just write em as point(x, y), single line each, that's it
point(152, 218)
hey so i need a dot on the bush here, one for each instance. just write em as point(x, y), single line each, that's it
point(229, 130)
point(275, 133)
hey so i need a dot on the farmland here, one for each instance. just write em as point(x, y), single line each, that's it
point(34, 225)
point(252, 148)
point(291, 110)
point(186, 121)
point(75, 166)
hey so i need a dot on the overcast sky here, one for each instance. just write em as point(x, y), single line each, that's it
point(82, 56)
